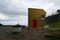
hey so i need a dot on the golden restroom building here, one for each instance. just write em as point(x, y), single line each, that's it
point(35, 17)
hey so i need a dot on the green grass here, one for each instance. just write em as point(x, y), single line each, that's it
point(54, 34)
point(54, 25)
point(54, 31)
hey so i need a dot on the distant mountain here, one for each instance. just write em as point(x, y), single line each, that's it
point(53, 18)
point(1, 24)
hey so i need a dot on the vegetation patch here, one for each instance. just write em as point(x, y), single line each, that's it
point(54, 34)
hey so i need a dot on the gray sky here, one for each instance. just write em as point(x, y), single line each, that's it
point(12, 10)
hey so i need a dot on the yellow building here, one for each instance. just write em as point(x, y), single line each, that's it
point(34, 17)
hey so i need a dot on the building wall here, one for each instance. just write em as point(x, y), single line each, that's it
point(35, 14)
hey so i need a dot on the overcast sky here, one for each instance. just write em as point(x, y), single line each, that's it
point(13, 10)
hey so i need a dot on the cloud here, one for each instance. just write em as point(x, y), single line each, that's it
point(23, 20)
point(10, 10)
point(3, 17)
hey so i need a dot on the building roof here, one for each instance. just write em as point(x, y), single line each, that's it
point(18, 25)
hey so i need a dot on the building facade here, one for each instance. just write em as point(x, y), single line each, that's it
point(35, 17)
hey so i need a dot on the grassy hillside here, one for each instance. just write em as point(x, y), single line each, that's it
point(55, 25)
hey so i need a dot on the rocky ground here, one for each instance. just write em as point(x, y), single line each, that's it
point(26, 34)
